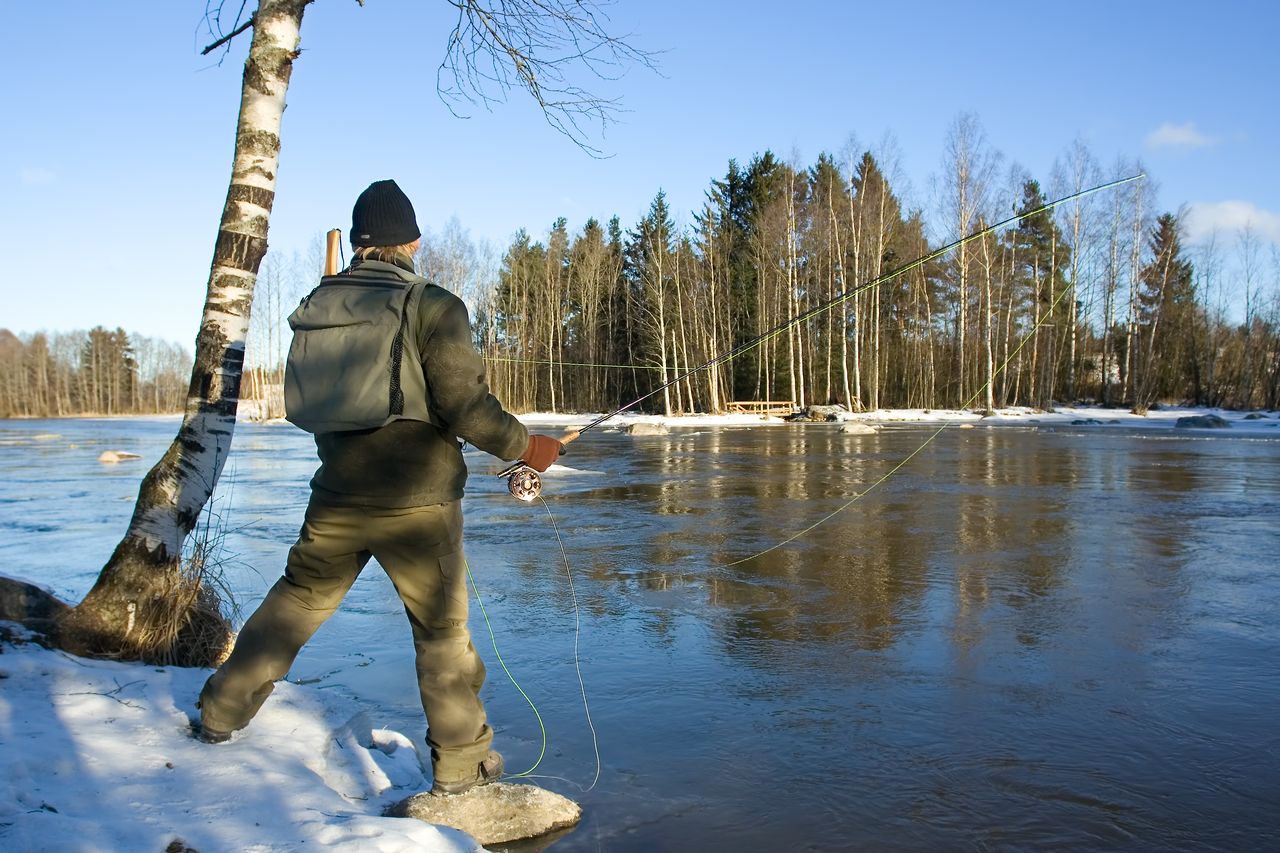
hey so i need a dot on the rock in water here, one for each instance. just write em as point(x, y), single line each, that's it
point(497, 813)
point(857, 428)
point(117, 456)
point(1202, 422)
point(643, 428)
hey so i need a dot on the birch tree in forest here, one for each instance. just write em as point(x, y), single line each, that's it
point(1113, 334)
point(968, 168)
point(1075, 172)
point(1137, 216)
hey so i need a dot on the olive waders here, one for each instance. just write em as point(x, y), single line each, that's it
point(420, 548)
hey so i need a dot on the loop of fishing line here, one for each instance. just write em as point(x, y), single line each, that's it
point(493, 639)
point(577, 635)
point(577, 664)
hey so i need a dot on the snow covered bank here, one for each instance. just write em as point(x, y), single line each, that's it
point(98, 756)
point(1162, 418)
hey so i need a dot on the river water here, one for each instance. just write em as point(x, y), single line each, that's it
point(1022, 638)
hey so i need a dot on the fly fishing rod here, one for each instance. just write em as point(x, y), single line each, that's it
point(524, 483)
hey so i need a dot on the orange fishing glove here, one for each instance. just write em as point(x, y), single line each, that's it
point(541, 451)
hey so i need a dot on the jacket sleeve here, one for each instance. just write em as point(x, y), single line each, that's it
point(457, 387)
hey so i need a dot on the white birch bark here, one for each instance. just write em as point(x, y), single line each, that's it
point(175, 491)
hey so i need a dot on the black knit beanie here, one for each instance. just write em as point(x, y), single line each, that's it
point(383, 216)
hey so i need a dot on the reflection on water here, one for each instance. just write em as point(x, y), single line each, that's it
point(1021, 639)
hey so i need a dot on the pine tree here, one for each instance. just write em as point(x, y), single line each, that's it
point(1040, 260)
point(650, 267)
point(1166, 319)
point(881, 242)
point(732, 200)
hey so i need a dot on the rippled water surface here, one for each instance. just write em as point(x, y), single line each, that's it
point(1022, 638)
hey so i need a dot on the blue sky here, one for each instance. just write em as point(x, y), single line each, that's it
point(116, 153)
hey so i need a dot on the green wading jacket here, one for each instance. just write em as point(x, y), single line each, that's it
point(410, 463)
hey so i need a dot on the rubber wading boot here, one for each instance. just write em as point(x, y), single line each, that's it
point(203, 733)
point(209, 735)
point(489, 770)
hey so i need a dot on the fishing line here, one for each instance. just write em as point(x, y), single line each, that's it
point(494, 640)
point(577, 664)
point(981, 388)
point(577, 633)
point(548, 362)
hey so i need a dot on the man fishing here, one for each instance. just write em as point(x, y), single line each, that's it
point(382, 369)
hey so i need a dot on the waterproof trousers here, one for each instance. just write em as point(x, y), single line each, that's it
point(420, 549)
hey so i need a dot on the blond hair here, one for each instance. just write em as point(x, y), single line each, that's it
point(384, 253)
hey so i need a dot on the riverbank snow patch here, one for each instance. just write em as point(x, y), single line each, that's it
point(98, 755)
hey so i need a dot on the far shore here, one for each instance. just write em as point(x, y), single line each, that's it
point(1159, 413)
point(1079, 414)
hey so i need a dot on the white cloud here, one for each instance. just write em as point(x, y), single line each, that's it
point(1205, 218)
point(36, 175)
point(1169, 135)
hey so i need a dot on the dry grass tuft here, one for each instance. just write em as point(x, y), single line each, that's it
point(189, 622)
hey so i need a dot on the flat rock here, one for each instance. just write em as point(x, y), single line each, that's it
point(117, 456)
point(857, 428)
point(497, 813)
point(648, 429)
point(1202, 422)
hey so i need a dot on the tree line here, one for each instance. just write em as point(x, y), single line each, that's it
point(98, 372)
point(1095, 300)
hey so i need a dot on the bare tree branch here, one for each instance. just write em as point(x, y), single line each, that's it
point(212, 22)
point(228, 37)
point(537, 45)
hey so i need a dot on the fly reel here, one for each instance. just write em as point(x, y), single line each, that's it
point(523, 482)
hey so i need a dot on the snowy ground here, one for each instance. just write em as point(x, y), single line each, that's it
point(1161, 418)
point(98, 756)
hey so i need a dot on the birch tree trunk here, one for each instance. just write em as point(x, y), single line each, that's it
point(843, 284)
point(1132, 340)
point(988, 353)
point(856, 230)
point(130, 610)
